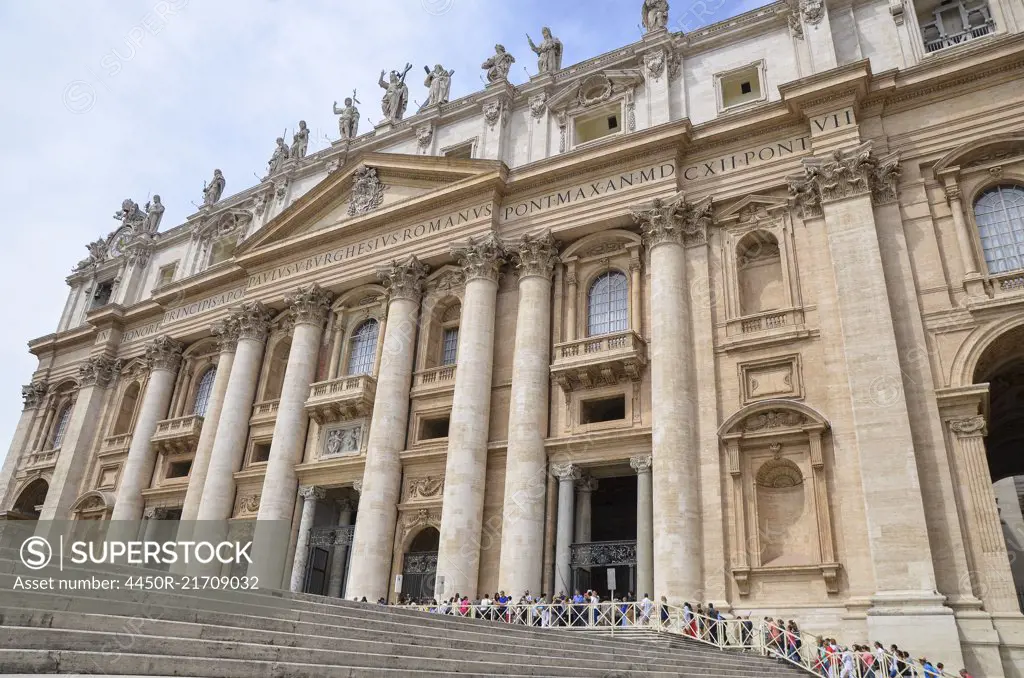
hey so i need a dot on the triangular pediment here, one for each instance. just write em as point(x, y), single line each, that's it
point(992, 149)
point(595, 89)
point(368, 186)
point(753, 208)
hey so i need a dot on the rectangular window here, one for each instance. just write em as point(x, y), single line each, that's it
point(449, 345)
point(220, 251)
point(603, 122)
point(166, 274)
point(740, 86)
point(432, 429)
point(260, 453)
point(603, 409)
point(179, 469)
point(461, 152)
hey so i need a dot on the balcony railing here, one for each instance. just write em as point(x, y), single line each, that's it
point(40, 458)
point(342, 398)
point(264, 413)
point(118, 443)
point(594, 361)
point(326, 537)
point(1004, 284)
point(179, 434)
point(935, 44)
point(433, 380)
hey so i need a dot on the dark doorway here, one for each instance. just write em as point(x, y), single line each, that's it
point(419, 566)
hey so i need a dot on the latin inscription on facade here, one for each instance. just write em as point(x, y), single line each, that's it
point(136, 333)
point(203, 305)
point(369, 246)
point(586, 192)
point(775, 150)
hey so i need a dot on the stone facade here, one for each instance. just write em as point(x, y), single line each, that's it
point(767, 298)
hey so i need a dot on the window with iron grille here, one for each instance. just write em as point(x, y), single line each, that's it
point(449, 345)
point(363, 348)
point(203, 392)
point(61, 427)
point(1000, 216)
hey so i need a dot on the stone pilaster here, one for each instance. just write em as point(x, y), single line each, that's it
point(567, 475)
point(34, 395)
point(94, 377)
point(339, 553)
point(522, 535)
point(666, 227)
point(310, 494)
point(308, 309)
point(585, 488)
point(374, 536)
point(252, 321)
point(458, 558)
point(842, 188)
point(644, 525)
point(991, 574)
point(163, 355)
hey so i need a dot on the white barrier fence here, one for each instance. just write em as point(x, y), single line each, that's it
point(801, 649)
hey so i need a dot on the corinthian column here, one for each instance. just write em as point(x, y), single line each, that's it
point(308, 309)
point(218, 496)
point(310, 494)
point(567, 475)
point(374, 535)
point(227, 341)
point(676, 488)
point(79, 437)
point(458, 557)
point(34, 396)
point(992, 576)
point(522, 535)
point(644, 525)
point(164, 358)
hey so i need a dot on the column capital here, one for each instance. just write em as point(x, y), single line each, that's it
point(969, 427)
point(480, 258)
point(164, 353)
point(533, 255)
point(952, 192)
point(98, 370)
point(33, 394)
point(569, 472)
point(641, 463)
point(405, 280)
point(312, 492)
point(586, 484)
point(844, 174)
point(357, 486)
point(252, 320)
point(226, 331)
point(309, 305)
point(673, 221)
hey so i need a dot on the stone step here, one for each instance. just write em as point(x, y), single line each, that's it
point(187, 632)
point(121, 644)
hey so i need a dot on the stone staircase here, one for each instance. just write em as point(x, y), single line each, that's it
point(221, 634)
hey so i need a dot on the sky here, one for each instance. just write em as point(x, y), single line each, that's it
point(111, 99)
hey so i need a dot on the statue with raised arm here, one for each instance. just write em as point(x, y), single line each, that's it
point(348, 117)
point(438, 84)
point(498, 66)
point(154, 213)
point(396, 94)
point(130, 214)
point(300, 141)
point(549, 52)
point(213, 190)
point(278, 159)
point(655, 14)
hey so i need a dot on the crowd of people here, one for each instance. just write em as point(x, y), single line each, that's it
point(779, 638)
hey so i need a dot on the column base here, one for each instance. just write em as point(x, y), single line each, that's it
point(1010, 630)
point(918, 622)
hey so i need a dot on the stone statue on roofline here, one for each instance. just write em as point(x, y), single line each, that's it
point(396, 94)
point(438, 84)
point(154, 213)
point(498, 66)
point(279, 158)
point(655, 15)
point(130, 214)
point(213, 190)
point(300, 141)
point(549, 52)
point(348, 117)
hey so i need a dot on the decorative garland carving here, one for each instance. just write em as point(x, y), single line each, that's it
point(425, 488)
point(969, 427)
point(773, 419)
point(248, 505)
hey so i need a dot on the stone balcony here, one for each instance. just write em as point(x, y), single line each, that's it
point(116, 443)
point(177, 435)
point(433, 381)
point(342, 398)
point(595, 361)
point(264, 413)
point(40, 458)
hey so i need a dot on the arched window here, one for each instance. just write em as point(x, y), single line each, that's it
point(363, 348)
point(608, 304)
point(61, 426)
point(123, 424)
point(1000, 216)
point(203, 392)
